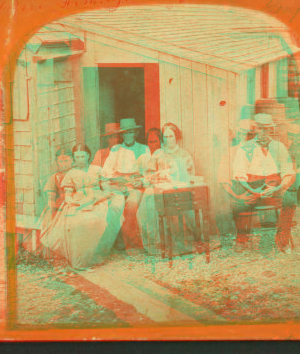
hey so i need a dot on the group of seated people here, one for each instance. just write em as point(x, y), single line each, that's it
point(107, 204)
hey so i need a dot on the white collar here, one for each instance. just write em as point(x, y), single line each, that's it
point(170, 151)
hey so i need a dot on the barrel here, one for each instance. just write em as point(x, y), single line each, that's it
point(277, 111)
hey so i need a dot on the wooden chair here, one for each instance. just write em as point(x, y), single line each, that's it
point(259, 209)
point(176, 202)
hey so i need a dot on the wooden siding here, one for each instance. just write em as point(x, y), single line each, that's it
point(200, 118)
point(201, 100)
point(282, 78)
point(20, 94)
point(186, 105)
point(51, 125)
point(91, 121)
point(24, 168)
point(55, 123)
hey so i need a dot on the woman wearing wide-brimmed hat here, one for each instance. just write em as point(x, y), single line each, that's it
point(112, 133)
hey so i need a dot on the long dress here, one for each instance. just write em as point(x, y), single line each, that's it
point(85, 233)
point(52, 186)
point(173, 166)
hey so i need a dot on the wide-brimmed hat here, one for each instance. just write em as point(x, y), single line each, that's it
point(128, 124)
point(246, 126)
point(263, 120)
point(111, 128)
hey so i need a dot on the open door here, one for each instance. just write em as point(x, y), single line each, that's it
point(129, 91)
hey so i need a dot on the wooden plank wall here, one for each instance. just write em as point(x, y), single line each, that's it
point(170, 90)
point(100, 49)
point(272, 79)
point(187, 105)
point(201, 100)
point(23, 157)
point(200, 118)
point(50, 125)
point(218, 123)
point(55, 121)
point(257, 83)
point(91, 108)
point(282, 78)
point(242, 101)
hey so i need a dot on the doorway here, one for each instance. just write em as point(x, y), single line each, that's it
point(129, 91)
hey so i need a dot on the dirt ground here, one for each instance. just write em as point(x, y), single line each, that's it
point(255, 286)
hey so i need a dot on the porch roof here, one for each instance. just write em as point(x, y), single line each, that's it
point(229, 38)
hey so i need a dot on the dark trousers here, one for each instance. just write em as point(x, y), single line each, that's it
point(129, 236)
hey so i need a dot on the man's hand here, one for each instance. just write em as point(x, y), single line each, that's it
point(248, 199)
point(271, 191)
point(137, 183)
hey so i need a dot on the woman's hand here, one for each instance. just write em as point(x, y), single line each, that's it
point(51, 200)
point(51, 204)
point(72, 203)
point(163, 176)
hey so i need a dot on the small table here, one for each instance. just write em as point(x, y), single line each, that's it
point(174, 202)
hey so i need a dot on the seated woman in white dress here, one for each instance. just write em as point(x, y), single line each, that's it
point(169, 164)
point(85, 228)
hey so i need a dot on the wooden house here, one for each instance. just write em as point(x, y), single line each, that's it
point(200, 67)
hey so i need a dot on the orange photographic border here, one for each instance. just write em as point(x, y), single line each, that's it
point(20, 19)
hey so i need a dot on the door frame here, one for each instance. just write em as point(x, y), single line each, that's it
point(151, 90)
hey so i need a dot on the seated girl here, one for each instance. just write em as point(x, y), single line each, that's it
point(55, 194)
point(54, 191)
point(87, 224)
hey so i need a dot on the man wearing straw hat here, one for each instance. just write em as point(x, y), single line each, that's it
point(124, 168)
point(264, 169)
point(113, 136)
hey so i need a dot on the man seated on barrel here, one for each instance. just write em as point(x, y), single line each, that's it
point(263, 172)
point(124, 169)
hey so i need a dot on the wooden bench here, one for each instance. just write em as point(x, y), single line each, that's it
point(27, 226)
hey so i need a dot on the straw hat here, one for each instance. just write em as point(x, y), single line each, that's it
point(264, 120)
point(128, 124)
point(111, 128)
